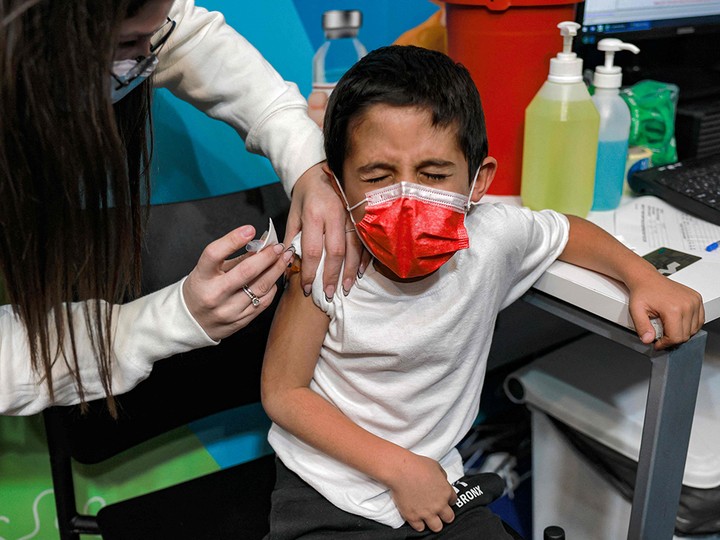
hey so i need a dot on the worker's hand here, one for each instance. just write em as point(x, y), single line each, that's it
point(320, 213)
point(678, 307)
point(214, 291)
point(422, 493)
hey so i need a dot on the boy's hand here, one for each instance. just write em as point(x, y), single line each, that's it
point(679, 308)
point(422, 493)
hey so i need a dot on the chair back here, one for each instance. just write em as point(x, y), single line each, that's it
point(185, 387)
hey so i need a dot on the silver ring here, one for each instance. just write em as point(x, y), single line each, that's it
point(254, 299)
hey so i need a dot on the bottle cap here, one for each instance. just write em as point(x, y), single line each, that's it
point(340, 23)
point(610, 75)
point(566, 67)
point(553, 533)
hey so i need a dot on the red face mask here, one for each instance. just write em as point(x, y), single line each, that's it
point(413, 229)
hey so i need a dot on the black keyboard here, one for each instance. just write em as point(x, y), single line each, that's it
point(692, 185)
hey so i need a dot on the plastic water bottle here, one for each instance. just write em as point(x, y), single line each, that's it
point(614, 127)
point(341, 48)
point(561, 137)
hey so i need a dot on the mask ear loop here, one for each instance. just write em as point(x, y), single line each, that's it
point(347, 204)
point(470, 202)
point(350, 209)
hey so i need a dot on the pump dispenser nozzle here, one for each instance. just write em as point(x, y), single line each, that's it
point(566, 67)
point(610, 75)
point(568, 30)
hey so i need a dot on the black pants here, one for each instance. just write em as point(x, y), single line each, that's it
point(301, 513)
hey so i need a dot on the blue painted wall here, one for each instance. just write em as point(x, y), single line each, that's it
point(196, 156)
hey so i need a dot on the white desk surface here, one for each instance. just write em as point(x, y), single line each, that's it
point(608, 298)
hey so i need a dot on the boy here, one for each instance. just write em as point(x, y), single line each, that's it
point(371, 390)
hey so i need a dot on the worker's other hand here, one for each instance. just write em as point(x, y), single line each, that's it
point(219, 292)
point(318, 211)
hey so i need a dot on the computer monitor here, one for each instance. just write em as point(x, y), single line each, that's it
point(646, 19)
point(678, 40)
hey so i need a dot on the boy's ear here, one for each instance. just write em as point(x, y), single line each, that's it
point(484, 179)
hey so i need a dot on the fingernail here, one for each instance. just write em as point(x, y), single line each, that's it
point(288, 255)
point(360, 272)
point(329, 292)
point(346, 286)
point(247, 230)
point(307, 289)
point(291, 248)
point(648, 337)
point(278, 248)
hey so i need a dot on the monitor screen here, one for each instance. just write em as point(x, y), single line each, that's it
point(641, 19)
point(678, 41)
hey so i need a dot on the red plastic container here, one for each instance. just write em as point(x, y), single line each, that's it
point(506, 45)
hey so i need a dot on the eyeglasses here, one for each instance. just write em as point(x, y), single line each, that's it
point(161, 35)
point(157, 40)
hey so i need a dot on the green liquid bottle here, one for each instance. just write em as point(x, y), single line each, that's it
point(561, 138)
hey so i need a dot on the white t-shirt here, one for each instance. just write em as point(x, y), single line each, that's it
point(406, 361)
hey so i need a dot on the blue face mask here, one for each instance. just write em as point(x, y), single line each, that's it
point(126, 75)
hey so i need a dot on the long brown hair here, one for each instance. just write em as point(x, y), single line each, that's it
point(73, 177)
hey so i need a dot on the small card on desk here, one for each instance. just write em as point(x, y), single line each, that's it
point(668, 261)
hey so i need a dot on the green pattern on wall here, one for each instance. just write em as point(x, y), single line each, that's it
point(27, 505)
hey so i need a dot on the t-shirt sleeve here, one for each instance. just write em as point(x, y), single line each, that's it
point(541, 238)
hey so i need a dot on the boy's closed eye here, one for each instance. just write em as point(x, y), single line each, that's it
point(376, 179)
point(435, 177)
point(423, 177)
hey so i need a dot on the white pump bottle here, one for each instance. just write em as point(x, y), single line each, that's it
point(614, 127)
point(561, 137)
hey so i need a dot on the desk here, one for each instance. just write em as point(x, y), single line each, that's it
point(600, 304)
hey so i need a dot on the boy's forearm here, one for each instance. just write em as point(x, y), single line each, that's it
point(591, 247)
point(315, 421)
point(652, 295)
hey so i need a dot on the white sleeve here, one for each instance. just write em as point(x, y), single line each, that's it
point(208, 64)
point(150, 328)
point(541, 238)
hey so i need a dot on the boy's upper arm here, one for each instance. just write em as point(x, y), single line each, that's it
point(295, 340)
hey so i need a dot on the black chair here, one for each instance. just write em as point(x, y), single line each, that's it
point(231, 503)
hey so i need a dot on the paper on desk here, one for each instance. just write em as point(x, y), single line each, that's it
point(647, 223)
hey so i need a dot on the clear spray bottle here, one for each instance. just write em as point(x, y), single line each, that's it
point(614, 127)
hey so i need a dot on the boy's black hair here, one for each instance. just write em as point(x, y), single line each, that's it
point(407, 76)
